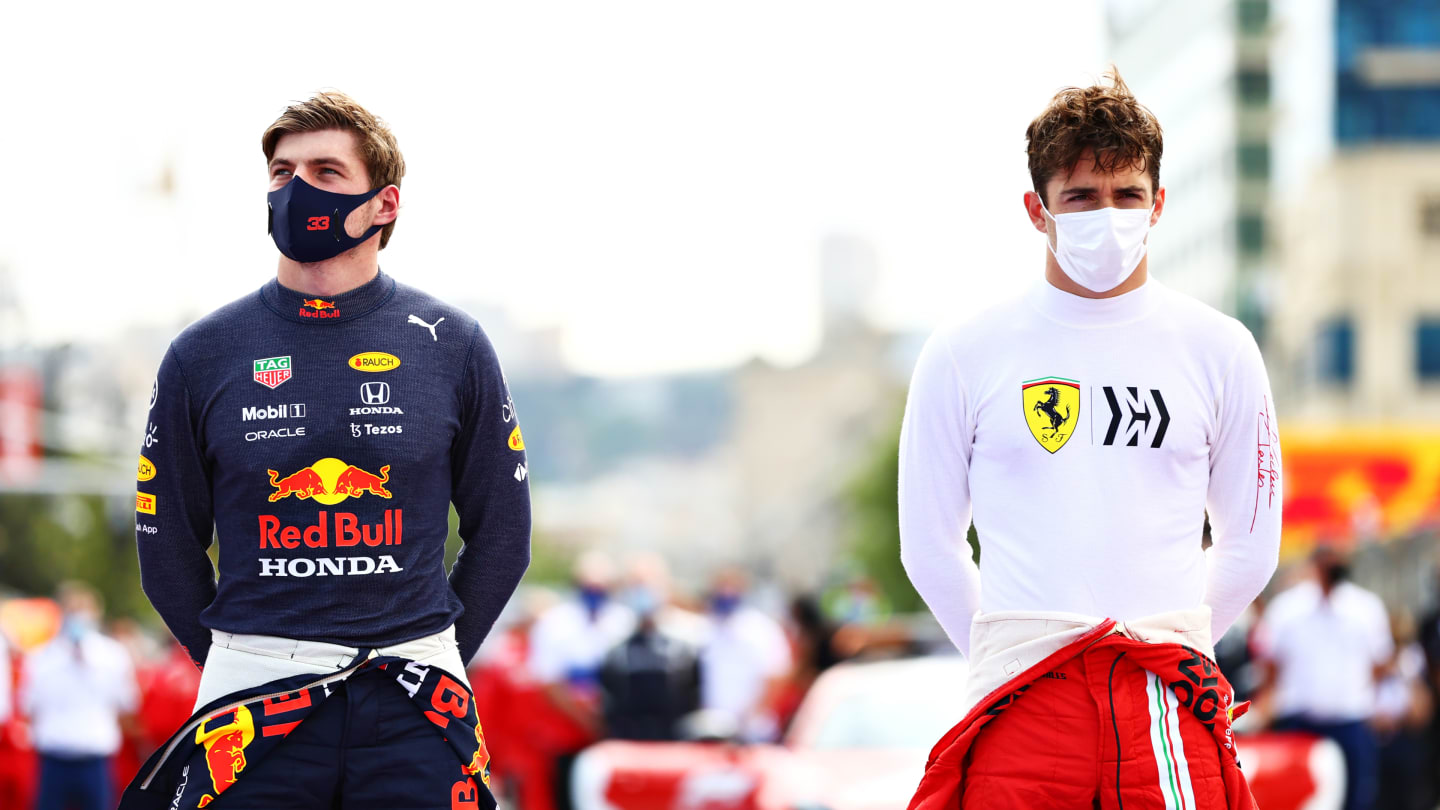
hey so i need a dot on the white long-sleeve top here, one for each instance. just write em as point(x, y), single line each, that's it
point(1088, 439)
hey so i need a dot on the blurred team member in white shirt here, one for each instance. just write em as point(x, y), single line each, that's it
point(568, 643)
point(1325, 643)
point(744, 660)
point(74, 690)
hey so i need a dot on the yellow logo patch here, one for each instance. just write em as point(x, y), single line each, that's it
point(517, 442)
point(146, 470)
point(145, 502)
point(374, 361)
point(1052, 410)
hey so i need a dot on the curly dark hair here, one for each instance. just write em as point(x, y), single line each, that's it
point(1120, 132)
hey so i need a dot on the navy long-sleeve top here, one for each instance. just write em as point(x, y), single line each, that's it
point(322, 441)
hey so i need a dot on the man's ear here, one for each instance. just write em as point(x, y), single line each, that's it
point(1034, 210)
point(1159, 206)
point(389, 205)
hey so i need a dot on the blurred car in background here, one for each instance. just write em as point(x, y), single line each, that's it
point(860, 741)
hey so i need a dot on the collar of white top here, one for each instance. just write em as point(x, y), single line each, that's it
point(1088, 313)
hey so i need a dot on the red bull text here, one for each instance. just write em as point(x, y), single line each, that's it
point(315, 308)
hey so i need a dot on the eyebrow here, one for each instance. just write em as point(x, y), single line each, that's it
point(1092, 190)
point(320, 161)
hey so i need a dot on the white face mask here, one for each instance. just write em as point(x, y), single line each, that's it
point(1100, 249)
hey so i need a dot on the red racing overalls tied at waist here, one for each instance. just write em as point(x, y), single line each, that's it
point(227, 739)
point(1182, 677)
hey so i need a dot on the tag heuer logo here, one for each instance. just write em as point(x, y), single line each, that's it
point(272, 371)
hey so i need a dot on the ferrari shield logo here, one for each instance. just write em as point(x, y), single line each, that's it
point(1052, 409)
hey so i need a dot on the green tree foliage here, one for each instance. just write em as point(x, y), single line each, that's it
point(48, 539)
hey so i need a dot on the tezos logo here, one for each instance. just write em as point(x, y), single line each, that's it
point(374, 362)
point(375, 395)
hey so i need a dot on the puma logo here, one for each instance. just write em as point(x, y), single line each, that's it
point(415, 319)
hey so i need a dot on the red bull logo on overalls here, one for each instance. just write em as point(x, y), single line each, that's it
point(225, 736)
point(480, 763)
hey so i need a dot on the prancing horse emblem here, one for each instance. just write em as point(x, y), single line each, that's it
point(1051, 407)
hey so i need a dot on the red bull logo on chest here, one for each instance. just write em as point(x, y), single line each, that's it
point(330, 481)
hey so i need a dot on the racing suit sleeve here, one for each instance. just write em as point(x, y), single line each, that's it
point(174, 517)
point(934, 493)
point(1245, 494)
point(491, 490)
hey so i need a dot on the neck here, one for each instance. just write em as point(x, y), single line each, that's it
point(1057, 279)
point(345, 272)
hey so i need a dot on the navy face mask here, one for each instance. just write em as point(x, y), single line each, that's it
point(308, 224)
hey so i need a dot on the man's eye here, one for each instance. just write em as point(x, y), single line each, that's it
point(332, 171)
point(281, 173)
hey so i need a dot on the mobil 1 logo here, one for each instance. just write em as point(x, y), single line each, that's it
point(294, 411)
point(260, 413)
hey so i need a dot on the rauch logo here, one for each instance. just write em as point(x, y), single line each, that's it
point(374, 361)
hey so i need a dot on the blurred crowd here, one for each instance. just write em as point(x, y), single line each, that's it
point(624, 656)
point(619, 654)
point(1324, 656)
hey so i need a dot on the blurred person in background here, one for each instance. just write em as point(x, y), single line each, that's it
point(321, 427)
point(858, 601)
point(813, 638)
point(1403, 709)
point(744, 660)
point(1325, 644)
point(1091, 620)
point(17, 759)
point(567, 646)
point(515, 708)
point(651, 680)
point(76, 689)
point(144, 655)
point(167, 697)
point(1429, 640)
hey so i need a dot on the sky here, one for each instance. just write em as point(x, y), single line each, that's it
point(655, 179)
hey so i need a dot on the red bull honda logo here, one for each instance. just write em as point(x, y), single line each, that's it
point(331, 481)
point(225, 736)
point(316, 308)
